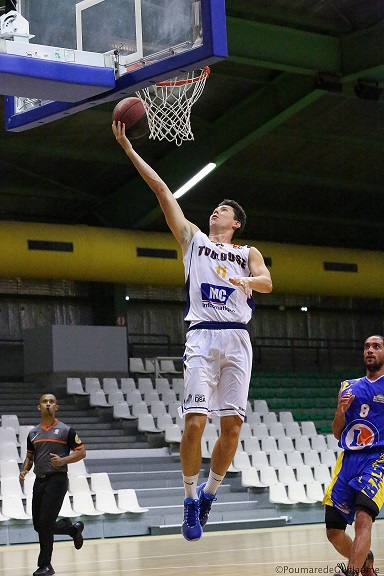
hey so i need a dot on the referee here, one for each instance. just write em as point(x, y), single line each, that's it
point(51, 445)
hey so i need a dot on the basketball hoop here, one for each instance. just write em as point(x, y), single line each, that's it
point(168, 105)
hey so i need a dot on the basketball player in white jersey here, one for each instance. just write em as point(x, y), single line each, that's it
point(219, 278)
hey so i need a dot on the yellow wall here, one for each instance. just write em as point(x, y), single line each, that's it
point(299, 270)
point(109, 255)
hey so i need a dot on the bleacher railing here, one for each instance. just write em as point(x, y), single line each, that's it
point(270, 354)
point(300, 354)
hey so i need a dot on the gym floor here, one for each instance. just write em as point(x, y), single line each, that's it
point(265, 552)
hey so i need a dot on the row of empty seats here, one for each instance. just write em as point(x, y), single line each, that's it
point(153, 366)
point(276, 449)
point(269, 435)
point(19, 507)
point(98, 398)
point(108, 391)
point(88, 494)
point(286, 484)
point(288, 458)
point(125, 385)
point(129, 399)
point(13, 438)
point(252, 438)
point(314, 469)
point(153, 404)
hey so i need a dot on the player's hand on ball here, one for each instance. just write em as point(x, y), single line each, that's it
point(243, 284)
point(119, 132)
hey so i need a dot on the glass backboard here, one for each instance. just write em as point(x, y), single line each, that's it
point(58, 57)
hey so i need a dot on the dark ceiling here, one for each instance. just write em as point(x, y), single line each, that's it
point(306, 162)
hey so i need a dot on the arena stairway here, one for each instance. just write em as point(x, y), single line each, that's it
point(21, 398)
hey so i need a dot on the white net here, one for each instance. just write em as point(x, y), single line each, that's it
point(168, 105)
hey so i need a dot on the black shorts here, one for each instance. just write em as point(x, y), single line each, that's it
point(333, 519)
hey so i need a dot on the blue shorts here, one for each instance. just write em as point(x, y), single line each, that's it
point(356, 471)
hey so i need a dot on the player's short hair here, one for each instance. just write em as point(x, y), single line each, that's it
point(240, 214)
point(376, 336)
point(47, 394)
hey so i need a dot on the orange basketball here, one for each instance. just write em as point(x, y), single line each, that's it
point(131, 113)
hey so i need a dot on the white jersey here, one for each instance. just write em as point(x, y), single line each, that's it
point(210, 295)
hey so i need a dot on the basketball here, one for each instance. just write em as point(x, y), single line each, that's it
point(131, 113)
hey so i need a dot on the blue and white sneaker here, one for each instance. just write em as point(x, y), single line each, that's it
point(205, 504)
point(191, 528)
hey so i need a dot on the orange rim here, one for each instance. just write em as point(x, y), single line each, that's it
point(204, 74)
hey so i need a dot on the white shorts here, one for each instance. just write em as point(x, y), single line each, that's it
point(217, 371)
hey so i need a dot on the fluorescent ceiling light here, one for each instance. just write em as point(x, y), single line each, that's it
point(193, 181)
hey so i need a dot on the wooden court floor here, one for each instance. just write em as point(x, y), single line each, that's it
point(265, 552)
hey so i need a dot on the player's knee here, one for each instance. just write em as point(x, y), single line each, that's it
point(334, 535)
point(364, 519)
point(231, 431)
point(194, 425)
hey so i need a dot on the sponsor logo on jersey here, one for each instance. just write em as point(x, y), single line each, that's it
point(215, 294)
point(56, 431)
point(77, 440)
point(359, 434)
point(234, 246)
point(188, 400)
point(196, 399)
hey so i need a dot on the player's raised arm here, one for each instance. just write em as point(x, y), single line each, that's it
point(181, 228)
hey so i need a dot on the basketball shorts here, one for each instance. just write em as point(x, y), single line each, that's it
point(217, 371)
point(356, 472)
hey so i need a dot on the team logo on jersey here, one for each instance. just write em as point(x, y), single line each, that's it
point(379, 398)
point(215, 294)
point(77, 440)
point(230, 256)
point(359, 434)
point(345, 385)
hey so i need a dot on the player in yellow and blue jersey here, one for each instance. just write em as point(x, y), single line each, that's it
point(356, 491)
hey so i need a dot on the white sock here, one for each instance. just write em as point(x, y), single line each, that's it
point(190, 486)
point(213, 482)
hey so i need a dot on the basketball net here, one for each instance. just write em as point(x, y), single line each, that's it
point(168, 105)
